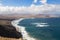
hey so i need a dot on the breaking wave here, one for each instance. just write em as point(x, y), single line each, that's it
point(22, 29)
point(41, 24)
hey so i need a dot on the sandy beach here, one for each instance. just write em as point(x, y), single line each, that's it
point(4, 38)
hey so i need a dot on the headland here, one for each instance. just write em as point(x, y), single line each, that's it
point(8, 31)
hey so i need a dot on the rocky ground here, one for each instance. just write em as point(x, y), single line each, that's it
point(8, 32)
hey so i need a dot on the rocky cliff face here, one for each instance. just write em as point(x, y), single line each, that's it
point(10, 32)
point(7, 31)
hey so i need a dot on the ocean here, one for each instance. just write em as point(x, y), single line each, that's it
point(39, 28)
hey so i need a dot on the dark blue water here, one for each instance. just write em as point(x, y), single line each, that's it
point(51, 32)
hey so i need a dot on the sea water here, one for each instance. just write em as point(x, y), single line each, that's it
point(40, 28)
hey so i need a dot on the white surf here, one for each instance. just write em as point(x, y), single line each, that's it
point(41, 24)
point(22, 30)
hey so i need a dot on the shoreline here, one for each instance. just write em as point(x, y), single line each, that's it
point(21, 29)
point(7, 26)
point(7, 23)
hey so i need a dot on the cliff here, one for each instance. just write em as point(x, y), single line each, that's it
point(7, 31)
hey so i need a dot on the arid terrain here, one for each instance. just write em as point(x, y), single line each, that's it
point(5, 21)
point(17, 16)
point(7, 28)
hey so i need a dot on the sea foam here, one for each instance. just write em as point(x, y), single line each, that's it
point(22, 29)
point(41, 24)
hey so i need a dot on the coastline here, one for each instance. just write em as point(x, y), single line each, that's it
point(6, 23)
point(7, 26)
point(21, 29)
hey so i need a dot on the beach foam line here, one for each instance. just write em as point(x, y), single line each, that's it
point(21, 29)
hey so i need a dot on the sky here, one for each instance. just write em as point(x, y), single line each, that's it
point(30, 6)
point(26, 2)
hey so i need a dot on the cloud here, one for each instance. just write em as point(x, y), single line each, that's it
point(35, 1)
point(33, 9)
point(43, 1)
